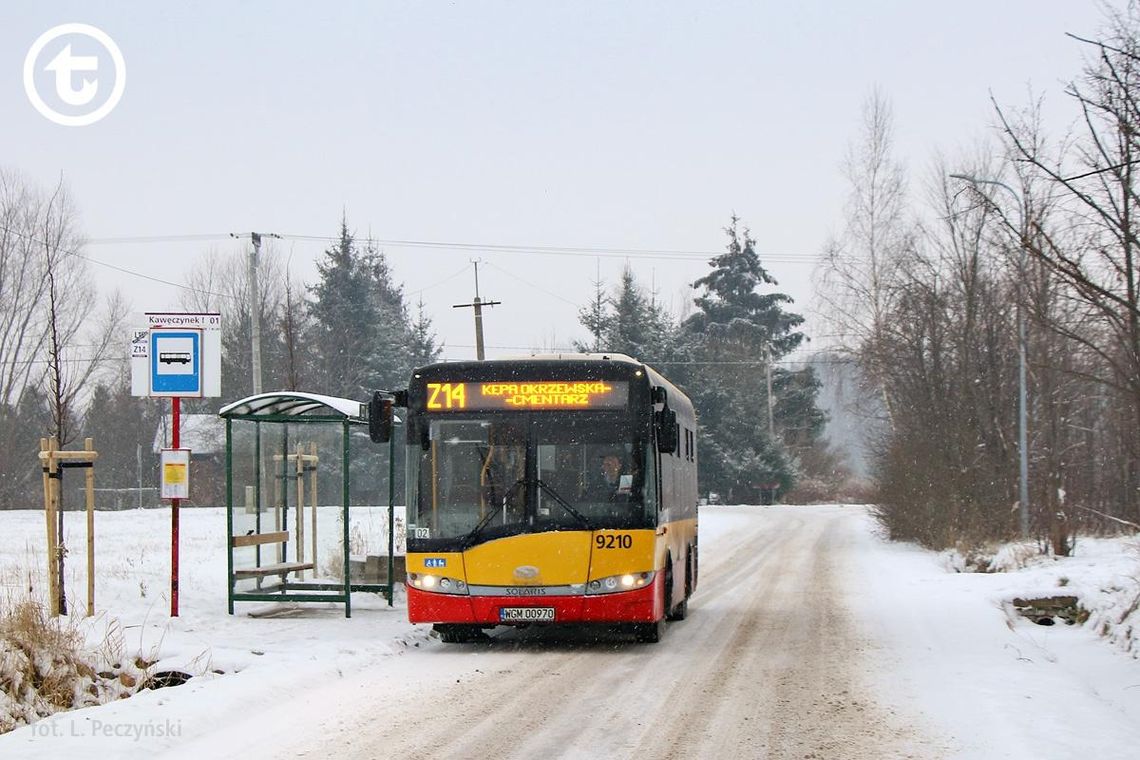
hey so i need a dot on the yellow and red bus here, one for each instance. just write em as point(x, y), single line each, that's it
point(549, 490)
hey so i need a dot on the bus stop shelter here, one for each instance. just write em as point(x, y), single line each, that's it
point(272, 520)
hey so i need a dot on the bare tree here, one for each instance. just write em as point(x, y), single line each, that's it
point(23, 286)
point(294, 326)
point(71, 314)
point(860, 268)
point(1096, 176)
point(947, 469)
point(53, 338)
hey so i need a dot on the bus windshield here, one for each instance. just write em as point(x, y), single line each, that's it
point(475, 479)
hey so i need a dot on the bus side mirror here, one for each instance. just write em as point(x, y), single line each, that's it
point(380, 418)
point(666, 424)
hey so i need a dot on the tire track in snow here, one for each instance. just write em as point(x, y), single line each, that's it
point(766, 665)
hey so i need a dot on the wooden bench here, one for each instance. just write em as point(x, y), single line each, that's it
point(255, 539)
point(282, 569)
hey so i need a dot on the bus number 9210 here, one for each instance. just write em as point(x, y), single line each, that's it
point(613, 541)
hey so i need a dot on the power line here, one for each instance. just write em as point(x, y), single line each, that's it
point(597, 252)
point(533, 286)
point(123, 270)
point(740, 362)
point(437, 283)
point(181, 286)
point(129, 239)
point(63, 360)
point(547, 250)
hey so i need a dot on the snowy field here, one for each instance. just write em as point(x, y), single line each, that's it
point(944, 646)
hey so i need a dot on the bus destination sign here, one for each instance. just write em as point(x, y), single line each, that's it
point(539, 394)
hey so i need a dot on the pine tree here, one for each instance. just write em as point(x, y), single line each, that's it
point(346, 321)
point(423, 348)
point(390, 358)
point(360, 329)
point(628, 321)
point(594, 317)
point(731, 310)
point(736, 333)
point(633, 328)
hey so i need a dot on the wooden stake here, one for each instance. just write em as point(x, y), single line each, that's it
point(49, 520)
point(51, 464)
point(88, 445)
point(300, 472)
point(313, 499)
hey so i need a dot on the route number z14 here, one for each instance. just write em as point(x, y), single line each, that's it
point(447, 396)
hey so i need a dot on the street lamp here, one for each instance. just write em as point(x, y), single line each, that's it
point(1022, 445)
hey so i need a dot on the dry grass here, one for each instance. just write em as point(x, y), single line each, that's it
point(41, 671)
point(45, 668)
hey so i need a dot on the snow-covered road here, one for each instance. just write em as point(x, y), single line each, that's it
point(768, 664)
point(808, 637)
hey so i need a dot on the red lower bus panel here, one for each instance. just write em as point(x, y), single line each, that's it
point(640, 606)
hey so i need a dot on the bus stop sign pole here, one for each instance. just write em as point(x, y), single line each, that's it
point(175, 413)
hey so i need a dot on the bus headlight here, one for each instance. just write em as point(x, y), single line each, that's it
point(437, 583)
point(615, 583)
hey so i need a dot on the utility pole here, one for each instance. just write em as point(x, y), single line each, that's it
point(255, 305)
point(478, 305)
point(255, 346)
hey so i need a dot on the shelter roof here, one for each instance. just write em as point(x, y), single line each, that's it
point(295, 404)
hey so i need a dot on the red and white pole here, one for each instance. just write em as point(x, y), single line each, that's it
point(176, 413)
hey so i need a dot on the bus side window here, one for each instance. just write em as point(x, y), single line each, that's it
point(649, 490)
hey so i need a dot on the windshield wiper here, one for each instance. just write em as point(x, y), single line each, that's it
point(564, 504)
point(469, 539)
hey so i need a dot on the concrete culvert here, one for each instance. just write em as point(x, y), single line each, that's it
point(164, 678)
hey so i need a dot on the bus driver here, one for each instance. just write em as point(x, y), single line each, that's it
point(612, 484)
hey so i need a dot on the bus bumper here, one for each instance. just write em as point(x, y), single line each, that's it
point(645, 605)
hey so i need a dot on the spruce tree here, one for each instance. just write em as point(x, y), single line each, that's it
point(390, 356)
point(423, 346)
point(345, 320)
point(359, 323)
point(735, 335)
point(594, 317)
point(629, 321)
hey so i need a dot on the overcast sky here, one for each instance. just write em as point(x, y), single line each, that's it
point(581, 125)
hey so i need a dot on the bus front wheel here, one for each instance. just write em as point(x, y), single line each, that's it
point(458, 634)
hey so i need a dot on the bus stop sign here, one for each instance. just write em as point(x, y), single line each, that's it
point(176, 355)
point(176, 362)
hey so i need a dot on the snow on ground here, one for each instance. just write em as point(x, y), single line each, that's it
point(945, 643)
point(951, 644)
point(240, 663)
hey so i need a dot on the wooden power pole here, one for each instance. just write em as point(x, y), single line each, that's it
point(478, 305)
